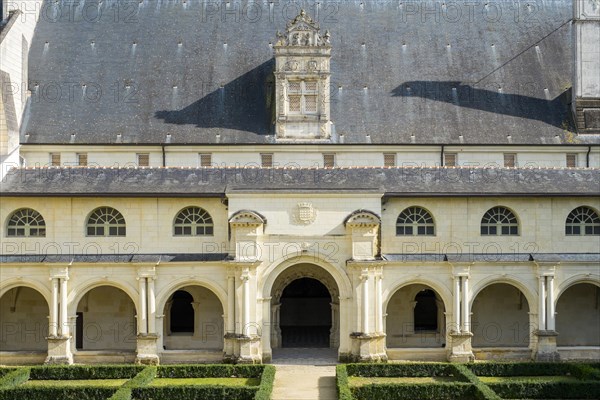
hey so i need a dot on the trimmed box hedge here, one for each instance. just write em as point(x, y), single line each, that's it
point(75, 372)
point(547, 390)
point(141, 379)
point(214, 392)
point(56, 393)
point(210, 371)
point(14, 378)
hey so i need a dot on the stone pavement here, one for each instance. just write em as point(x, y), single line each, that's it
point(304, 374)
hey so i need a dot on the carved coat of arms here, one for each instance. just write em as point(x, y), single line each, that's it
point(304, 214)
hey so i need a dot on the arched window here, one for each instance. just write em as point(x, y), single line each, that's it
point(26, 223)
point(193, 221)
point(106, 221)
point(426, 311)
point(583, 221)
point(499, 221)
point(415, 221)
point(182, 312)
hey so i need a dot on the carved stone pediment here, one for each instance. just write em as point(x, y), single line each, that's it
point(303, 31)
point(362, 218)
point(247, 218)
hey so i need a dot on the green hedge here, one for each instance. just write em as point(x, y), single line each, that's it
point(266, 383)
point(141, 379)
point(405, 370)
point(341, 377)
point(438, 391)
point(482, 392)
point(213, 392)
point(56, 393)
point(14, 378)
point(210, 371)
point(547, 390)
point(524, 369)
point(71, 372)
point(586, 372)
point(5, 371)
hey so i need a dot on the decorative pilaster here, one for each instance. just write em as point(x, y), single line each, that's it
point(460, 349)
point(545, 346)
point(147, 338)
point(59, 339)
point(368, 344)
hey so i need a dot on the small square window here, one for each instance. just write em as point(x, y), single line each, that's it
point(266, 160)
point(329, 160)
point(55, 159)
point(143, 160)
point(510, 160)
point(206, 160)
point(82, 159)
point(450, 159)
point(389, 159)
point(571, 160)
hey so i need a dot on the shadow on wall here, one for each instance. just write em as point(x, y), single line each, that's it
point(244, 104)
point(490, 99)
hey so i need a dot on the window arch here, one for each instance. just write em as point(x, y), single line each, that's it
point(193, 221)
point(26, 222)
point(499, 221)
point(426, 311)
point(415, 221)
point(583, 221)
point(106, 221)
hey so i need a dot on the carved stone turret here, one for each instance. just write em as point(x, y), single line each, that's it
point(302, 77)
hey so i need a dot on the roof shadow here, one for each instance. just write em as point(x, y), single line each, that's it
point(550, 111)
point(244, 104)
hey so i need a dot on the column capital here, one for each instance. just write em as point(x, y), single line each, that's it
point(546, 268)
point(461, 269)
point(59, 272)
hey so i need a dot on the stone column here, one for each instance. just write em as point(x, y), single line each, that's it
point(151, 307)
point(459, 349)
point(378, 304)
point(64, 318)
point(466, 314)
point(545, 348)
point(231, 304)
point(456, 308)
point(59, 339)
point(53, 331)
point(551, 317)
point(365, 303)
point(542, 304)
point(141, 317)
point(245, 303)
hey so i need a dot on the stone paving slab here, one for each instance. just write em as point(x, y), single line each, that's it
point(304, 382)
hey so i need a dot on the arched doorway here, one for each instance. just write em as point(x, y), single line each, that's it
point(305, 308)
point(106, 320)
point(500, 317)
point(23, 320)
point(193, 320)
point(415, 318)
point(300, 328)
point(578, 316)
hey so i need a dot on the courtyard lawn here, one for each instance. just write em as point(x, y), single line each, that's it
point(354, 381)
point(74, 383)
point(163, 382)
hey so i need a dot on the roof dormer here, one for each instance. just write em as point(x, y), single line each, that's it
point(302, 76)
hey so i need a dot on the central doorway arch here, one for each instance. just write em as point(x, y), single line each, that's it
point(305, 308)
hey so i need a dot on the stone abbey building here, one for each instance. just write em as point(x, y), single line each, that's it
point(207, 180)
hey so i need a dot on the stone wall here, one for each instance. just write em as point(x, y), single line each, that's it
point(23, 320)
point(578, 316)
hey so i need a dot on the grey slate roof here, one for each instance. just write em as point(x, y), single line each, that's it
point(203, 182)
point(494, 257)
point(215, 86)
point(114, 258)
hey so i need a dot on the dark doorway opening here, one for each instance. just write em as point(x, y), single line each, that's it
point(79, 331)
point(426, 311)
point(305, 315)
point(182, 312)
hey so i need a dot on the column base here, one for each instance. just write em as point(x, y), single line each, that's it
point(59, 350)
point(146, 350)
point(460, 350)
point(368, 347)
point(242, 349)
point(546, 346)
